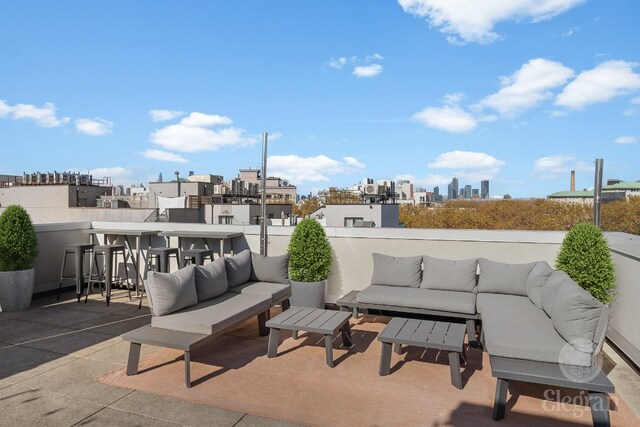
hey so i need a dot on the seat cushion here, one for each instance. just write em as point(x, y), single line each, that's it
point(170, 292)
point(276, 291)
point(269, 268)
point(215, 315)
point(449, 274)
point(536, 280)
point(514, 327)
point(428, 299)
point(238, 268)
point(503, 278)
point(211, 279)
point(397, 271)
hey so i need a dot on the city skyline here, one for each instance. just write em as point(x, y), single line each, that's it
point(414, 89)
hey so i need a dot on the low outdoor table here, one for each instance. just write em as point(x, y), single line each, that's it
point(315, 320)
point(443, 336)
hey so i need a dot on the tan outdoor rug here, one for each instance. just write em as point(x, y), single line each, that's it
point(234, 373)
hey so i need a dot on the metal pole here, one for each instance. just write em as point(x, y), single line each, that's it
point(263, 200)
point(597, 193)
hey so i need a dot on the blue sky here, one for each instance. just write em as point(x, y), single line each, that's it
point(519, 93)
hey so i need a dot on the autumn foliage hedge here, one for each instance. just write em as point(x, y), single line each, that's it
point(537, 214)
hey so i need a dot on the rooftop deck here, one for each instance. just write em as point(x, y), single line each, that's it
point(52, 353)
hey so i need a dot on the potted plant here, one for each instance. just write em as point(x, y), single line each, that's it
point(309, 264)
point(585, 257)
point(18, 250)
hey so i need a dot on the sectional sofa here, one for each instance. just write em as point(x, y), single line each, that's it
point(538, 325)
point(197, 303)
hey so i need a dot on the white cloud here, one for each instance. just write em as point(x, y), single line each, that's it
point(164, 156)
point(633, 109)
point(205, 120)
point(338, 63)
point(164, 115)
point(375, 57)
point(299, 170)
point(551, 167)
point(367, 70)
point(474, 20)
point(527, 87)
point(447, 118)
point(626, 140)
point(118, 174)
point(94, 127)
point(468, 163)
point(194, 134)
point(570, 32)
point(275, 135)
point(44, 116)
point(600, 84)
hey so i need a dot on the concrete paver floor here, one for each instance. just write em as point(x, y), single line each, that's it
point(51, 354)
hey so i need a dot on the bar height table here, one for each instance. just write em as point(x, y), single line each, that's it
point(222, 236)
point(114, 234)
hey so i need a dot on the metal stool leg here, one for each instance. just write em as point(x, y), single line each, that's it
point(64, 262)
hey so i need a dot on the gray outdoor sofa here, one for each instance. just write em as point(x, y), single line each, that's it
point(197, 303)
point(538, 325)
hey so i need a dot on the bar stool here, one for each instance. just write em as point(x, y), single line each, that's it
point(79, 250)
point(109, 253)
point(159, 258)
point(196, 256)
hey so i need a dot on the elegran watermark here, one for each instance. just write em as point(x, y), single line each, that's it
point(576, 405)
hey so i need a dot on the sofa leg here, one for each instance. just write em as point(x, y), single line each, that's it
point(134, 358)
point(187, 368)
point(599, 409)
point(500, 402)
point(471, 332)
point(262, 327)
point(286, 304)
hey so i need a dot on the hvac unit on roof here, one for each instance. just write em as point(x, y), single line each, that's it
point(371, 189)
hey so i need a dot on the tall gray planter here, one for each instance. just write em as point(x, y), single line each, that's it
point(16, 289)
point(308, 294)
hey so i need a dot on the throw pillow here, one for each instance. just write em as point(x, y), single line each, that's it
point(270, 268)
point(169, 292)
point(238, 268)
point(536, 280)
point(397, 271)
point(449, 274)
point(211, 280)
point(503, 278)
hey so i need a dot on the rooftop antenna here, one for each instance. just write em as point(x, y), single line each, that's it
point(263, 200)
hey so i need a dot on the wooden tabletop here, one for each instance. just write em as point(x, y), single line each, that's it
point(424, 333)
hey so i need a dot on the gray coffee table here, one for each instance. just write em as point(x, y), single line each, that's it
point(427, 334)
point(315, 320)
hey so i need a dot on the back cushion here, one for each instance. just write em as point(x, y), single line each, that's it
point(270, 268)
point(211, 279)
point(397, 271)
point(238, 268)
point(169, 292)
point(575, 315)
point(502, 278)
point(448, 274)
point(536, 280)
point(550, 289)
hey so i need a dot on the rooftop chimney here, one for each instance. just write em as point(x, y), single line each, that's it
point(573, 181)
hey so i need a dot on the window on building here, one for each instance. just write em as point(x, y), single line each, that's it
point(350, 220)
point(225, 219)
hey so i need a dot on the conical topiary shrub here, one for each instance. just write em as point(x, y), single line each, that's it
point(309, 252)
point(18, 243)
point(585, 257)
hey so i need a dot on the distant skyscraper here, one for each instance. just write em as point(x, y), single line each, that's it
point(475, 193)
point(461, 194)
point(467, 191)
point(453, 189)
point(436, 194)
point(484, 189)
point(160, 177)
